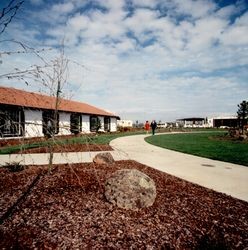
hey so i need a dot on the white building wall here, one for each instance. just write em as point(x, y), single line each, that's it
point(113, 124)
point(64, 123)
point(85, 123)
point(125, 123)
point(33, 123)
point(211, 122)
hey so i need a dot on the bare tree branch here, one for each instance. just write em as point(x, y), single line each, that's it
point(8, 13)
point(26, 50)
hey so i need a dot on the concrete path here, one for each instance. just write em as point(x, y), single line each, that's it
point(58, 158)
point(220, 176)
point(224, 177)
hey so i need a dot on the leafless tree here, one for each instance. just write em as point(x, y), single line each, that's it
point(50, 74)
point(56, 79)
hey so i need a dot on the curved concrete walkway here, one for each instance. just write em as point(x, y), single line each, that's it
point(58, 158)
point(228, 178)
point(224, 177)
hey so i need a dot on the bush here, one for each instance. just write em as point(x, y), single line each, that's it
point(124, 129)
point(14, 167)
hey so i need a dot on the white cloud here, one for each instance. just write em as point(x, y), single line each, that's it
point(125, 45)
point(145, 3)
point(236, 34)
point(226, 12)
point(243, 20)
point(196, 9)
point(62, 7)
point(205, 33)
point(186, 58)
point(142, 20)
point(78, 22)
point(112, 5)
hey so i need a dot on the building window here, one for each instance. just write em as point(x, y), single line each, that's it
point(95, 123)
point(11, 122)
point(49, 124)
point(76, 123)
point(107, 124)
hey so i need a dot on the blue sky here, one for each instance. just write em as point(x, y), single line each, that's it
point(142, 59)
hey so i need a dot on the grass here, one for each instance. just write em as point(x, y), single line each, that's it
point(211, 145)
point(83, 139)
point(16, 148)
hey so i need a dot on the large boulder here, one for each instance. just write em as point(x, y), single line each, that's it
point(130, 189)
point(103, 158)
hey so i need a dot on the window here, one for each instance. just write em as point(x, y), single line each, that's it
point(107, 124)
point(11, 121)
point(95, 123)
point(76, 123)
point(48, 122)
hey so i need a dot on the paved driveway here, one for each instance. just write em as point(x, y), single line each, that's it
point(228, 178)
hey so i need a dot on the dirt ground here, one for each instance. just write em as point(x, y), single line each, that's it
point(67, 209)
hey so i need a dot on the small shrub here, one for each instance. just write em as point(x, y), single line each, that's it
point(14, 167)
point(124, 129)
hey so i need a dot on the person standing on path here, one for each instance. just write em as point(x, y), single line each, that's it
point(147, 127)
point(153, 126)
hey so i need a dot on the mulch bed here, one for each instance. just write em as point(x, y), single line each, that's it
point(66, 209)
point(5, 142)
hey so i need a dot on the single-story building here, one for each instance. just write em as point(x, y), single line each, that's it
point(193, 122)
point(213, 122)
point(223, 121)
point(125, 123)
point(30, 114)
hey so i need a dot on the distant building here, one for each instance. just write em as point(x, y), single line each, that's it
point(172, 124)
point(213, 122)
point(223, 121)
point(124, 123)
point(194, 122)
point(162, 125)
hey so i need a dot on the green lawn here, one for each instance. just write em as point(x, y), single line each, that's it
point(210, 145)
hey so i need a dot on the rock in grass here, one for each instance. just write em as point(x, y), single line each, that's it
point(103, 158)
point(130, 189)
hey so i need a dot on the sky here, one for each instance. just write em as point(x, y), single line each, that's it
point(140, 59)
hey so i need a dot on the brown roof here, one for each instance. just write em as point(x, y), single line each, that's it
point(12, 96)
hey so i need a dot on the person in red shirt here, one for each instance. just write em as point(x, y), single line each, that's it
point(147, 127)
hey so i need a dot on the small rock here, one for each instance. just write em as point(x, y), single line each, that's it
point(130, 189)
point(103, 158)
